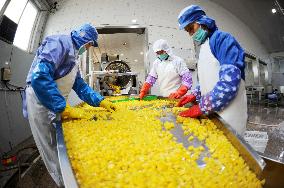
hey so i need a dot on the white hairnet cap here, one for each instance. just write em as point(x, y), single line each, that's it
point(162, 44)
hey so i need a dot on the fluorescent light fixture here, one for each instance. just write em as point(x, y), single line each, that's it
point(134, 21)
point(273, 10)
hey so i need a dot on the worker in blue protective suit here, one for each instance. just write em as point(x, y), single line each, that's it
point(54, 72)
point(221, 74)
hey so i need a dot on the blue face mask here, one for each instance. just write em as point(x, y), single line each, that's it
point(83, 48)
point(163, 57)
point(200, 36)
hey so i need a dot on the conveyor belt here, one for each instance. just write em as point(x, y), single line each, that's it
point(253, 160)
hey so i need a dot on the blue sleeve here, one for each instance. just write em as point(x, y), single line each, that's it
point(224, 91)
point(53, 50)
point(45, 87)
point(86, 93)
point(196, 92)
point(227, 50)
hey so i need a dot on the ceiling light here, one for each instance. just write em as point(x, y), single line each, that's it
point(141, 53)
point(135, 60)
point(273, 10)
point(134, 21)
point(121, 54)
point(124, 43)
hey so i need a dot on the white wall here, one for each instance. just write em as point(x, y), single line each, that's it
point(160, 17)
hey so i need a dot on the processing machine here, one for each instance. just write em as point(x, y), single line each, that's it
point(115, 77)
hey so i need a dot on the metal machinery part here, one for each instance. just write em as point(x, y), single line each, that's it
point(263, 73)
point(114, 74)
point(257, 82)
point(104, 79)
point(120, 67)
point(253, 160)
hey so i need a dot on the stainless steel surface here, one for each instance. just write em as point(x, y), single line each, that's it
point(255, 70)
point(253, 160)
point(263, 74)
point(103, 87)
point(273, 174)
point(270, 120)
point(281, 89)
point(65, 166)
point(255, 90)
point(268, 88)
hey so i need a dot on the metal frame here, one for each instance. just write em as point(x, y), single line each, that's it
point(65, 166)
point(254, 161)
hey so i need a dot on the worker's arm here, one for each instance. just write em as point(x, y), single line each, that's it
point(231, 58)
point(196, 92)
point(50, 55)
point(186, 80)
point(194, 96)
point(152, 76)
point(150, 81)
point(86, 93)
point(224, 91)
point(45, 87)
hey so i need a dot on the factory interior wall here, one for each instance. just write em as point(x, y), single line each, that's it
point(159, 17)
point(14, 128)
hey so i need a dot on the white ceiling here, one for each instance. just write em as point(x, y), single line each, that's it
point(257, 14)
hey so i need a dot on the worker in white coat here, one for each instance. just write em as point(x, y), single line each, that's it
point(54, 72)
point(174, 78)
point(221, 74)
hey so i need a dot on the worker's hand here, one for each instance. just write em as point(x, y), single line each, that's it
point(179, 93)
point(74, 113)
point(144, 90)
point(192, 112)
point(186, 99)
point(66, 113)
point(174, 95)
point(107, 105)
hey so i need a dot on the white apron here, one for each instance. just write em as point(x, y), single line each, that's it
point(168, 78)
point(235, 114)
point(44, 133)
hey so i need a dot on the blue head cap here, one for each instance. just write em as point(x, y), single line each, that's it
point(194, 13)
point(86, 33)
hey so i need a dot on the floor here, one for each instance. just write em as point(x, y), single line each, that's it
point(33, 174)
point(270, 120)
point(260, 118)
